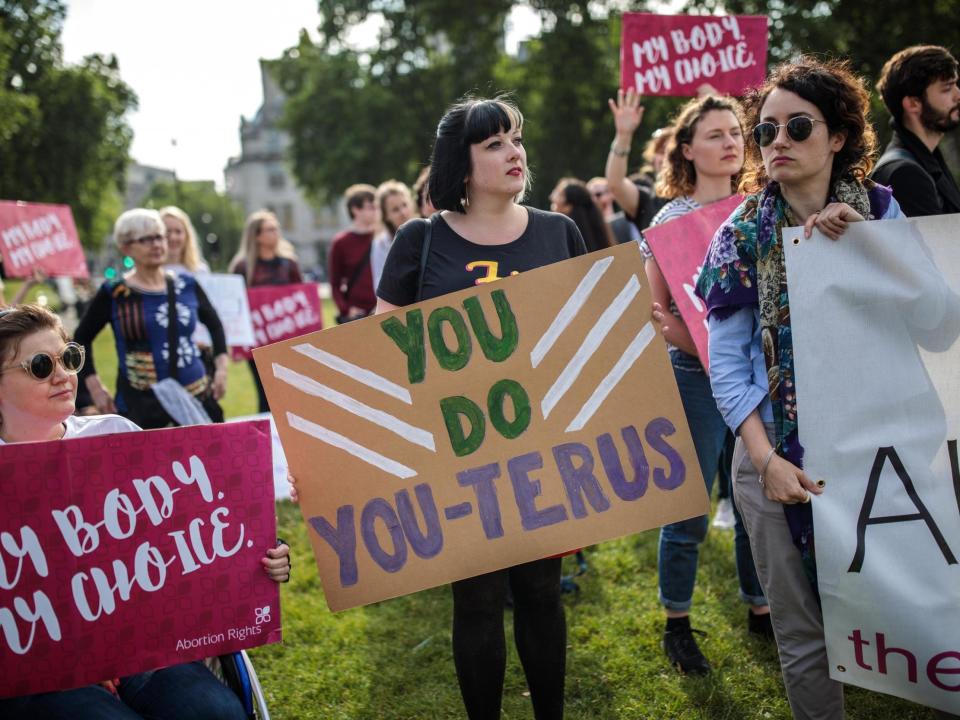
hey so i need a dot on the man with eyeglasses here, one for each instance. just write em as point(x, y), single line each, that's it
point(919, 87)
point(623, 230)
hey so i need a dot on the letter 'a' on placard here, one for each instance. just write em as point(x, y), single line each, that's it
point(531, 416)
point(129, 552)
point(38, 236)
point(679, 247)
point(875, 320)
point(676, 54)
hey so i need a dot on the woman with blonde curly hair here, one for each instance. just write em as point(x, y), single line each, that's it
point(702, 165)
point(812, 148)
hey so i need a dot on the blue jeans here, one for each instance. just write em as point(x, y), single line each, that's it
point(680, 541)
point(183, 692)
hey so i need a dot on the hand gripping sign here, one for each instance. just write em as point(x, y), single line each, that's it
point(489, 427)
point(679, 247)
point(676, 54)
point(128, 552)
point(36, 236)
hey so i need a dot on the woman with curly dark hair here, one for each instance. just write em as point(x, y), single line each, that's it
point(811, 151)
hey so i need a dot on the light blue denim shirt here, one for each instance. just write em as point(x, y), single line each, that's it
point(738, 372)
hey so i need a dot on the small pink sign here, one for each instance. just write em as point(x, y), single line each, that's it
point(128, 552)
point(679, 247)
point(676, 54)
point(42, 237)
point(280, 312)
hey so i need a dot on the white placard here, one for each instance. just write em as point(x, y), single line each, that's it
point(875, 321)
point(228, 293)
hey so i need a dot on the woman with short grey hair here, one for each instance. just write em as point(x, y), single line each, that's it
point(153, 315)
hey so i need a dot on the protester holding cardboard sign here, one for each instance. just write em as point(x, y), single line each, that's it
point(265, 258)
point(478, 175)
point(807, 165)
point(153, 315)
point(702, 166)
point(38, 383)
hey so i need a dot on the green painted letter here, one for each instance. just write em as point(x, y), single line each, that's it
point(495, 349)
point(452, 408)
point(521, 408)
point(409, 338)
point(449, 359)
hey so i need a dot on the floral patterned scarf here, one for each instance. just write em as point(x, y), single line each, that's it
point(744, 267)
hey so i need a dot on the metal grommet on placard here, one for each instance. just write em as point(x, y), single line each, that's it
point(841, 668)
point(821, 483)
point(796, 241)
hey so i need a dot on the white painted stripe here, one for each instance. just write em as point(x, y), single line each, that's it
point(361, 375)
point(569, 310)
point(606, 386)
point(387, 421)
point(344, 443)
point(589, 346)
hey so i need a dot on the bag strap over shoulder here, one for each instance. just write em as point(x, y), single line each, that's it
point(424, 252)
point(894, 155)
point(172, 344)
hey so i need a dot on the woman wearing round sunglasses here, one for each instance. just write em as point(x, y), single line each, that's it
point(807, 165)
point(38, 385)
point(138, 308)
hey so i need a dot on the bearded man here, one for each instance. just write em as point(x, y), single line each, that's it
point(919, 87)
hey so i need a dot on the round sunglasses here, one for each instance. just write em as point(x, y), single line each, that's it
point(42, 365)
point(799, 129)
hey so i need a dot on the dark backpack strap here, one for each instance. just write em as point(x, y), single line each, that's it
point(361, 266)
point(172, 345)
point(895, 155)
point(424, 252)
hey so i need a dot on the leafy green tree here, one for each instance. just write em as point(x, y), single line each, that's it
point(63, 137)
point(369, 115)
point(217, 219)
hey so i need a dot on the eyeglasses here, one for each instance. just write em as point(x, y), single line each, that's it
point(42, 365)
point(799, 129)
point(145, 240)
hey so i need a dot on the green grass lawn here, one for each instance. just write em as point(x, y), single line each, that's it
point(393, 660)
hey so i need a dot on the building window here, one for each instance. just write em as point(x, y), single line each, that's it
point(286, 217)
point(277, 180)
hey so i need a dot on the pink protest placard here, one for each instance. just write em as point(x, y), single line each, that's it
point(676, 54)
point(679, 247)
point(128, 552)
point(280, 312)
point(42, 237)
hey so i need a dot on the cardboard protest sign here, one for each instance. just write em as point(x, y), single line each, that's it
point(280, 312)
point(676, 54)
point(875, 320)
point(679, 247)
point(489, 427)
point(228, 293)
point(36, 236)
point(128, 552)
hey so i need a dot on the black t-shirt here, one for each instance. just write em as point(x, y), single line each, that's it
point(455, 263)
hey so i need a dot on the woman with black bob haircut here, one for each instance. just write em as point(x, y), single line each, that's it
point(478, 177)
point(807, 164)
